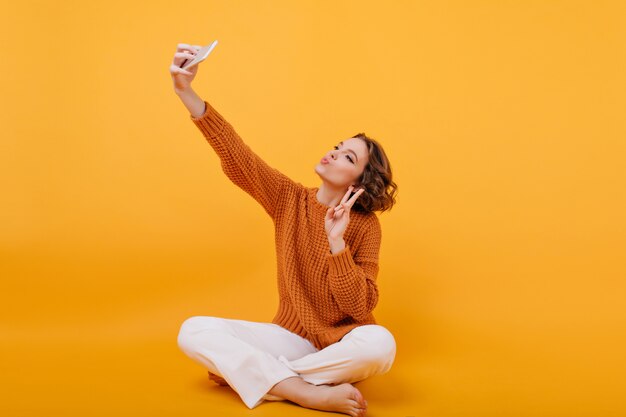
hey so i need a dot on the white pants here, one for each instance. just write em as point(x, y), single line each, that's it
point(253, 357)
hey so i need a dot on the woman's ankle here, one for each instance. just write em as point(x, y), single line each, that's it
point(294, 389)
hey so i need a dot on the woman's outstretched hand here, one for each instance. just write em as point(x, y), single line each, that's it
point(337, 218)
point(182, 78)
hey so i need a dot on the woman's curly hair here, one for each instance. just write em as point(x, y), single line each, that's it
point(380, 190)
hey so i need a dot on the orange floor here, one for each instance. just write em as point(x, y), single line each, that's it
point(84, 335)
point(149, 378)
point(130, 365)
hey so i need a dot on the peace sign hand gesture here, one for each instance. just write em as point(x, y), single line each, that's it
point(337, 218)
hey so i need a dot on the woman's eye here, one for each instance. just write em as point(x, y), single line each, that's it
point(349, 159)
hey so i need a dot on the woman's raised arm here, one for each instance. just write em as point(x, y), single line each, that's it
point(241, 165)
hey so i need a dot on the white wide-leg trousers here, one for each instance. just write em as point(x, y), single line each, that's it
point(253, 357)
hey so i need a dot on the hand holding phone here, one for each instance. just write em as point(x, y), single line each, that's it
point(200, 56)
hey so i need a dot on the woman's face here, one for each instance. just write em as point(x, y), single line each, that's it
point(344, 164)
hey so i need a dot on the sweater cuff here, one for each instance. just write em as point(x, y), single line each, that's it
point(211, 123)
point(341, 263)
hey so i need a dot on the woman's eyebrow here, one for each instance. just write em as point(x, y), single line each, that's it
point(350, 150)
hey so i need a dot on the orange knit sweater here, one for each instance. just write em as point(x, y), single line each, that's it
point(322, 296)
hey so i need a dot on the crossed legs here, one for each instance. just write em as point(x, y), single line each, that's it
point(263, 361)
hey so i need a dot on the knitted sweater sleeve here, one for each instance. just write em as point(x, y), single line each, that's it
point(240, 164)
point(352, 277)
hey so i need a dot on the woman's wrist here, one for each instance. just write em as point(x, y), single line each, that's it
point(194, 104)
point(184, 91)
point(336, 245)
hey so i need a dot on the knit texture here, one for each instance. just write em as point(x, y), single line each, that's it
point(322, 296)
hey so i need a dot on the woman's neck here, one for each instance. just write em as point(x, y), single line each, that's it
point(330, 196)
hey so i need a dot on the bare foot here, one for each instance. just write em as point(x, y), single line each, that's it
point(342, 398)
point(217, 379)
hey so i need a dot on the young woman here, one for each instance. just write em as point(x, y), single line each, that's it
point(324, 337)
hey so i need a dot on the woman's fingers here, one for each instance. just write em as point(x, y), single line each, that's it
point(355, 196)
point(335, 213)
point(188, 51)
point(347, 194)
point(179, 57)
point(184, 52)
point(184, 47)
point(180, 61)
point(184, 55)
point(339, 213)
point(345, 205)
point(175, 69)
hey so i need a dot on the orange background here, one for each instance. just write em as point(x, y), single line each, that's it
point(502, 265)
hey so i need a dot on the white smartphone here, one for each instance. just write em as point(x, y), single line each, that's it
point(200, 56)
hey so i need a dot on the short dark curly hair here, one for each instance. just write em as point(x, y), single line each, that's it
point(380, 190)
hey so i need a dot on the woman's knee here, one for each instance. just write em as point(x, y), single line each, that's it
point(376, 345)
point(195, 325)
